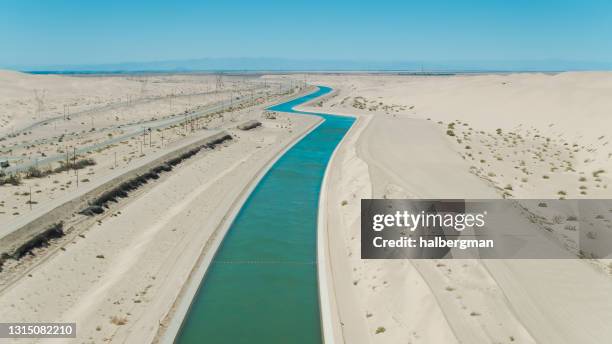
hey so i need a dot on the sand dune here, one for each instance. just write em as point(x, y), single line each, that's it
point(553, 123)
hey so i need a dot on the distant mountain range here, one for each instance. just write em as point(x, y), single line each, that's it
point(282, 64)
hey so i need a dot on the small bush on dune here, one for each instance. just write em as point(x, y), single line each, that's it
point(13, 179)
point(118, 320)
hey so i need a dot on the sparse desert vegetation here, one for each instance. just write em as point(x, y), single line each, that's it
point(507, 158)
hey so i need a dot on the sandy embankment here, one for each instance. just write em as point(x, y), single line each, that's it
point(119, 278)
point(400, 153)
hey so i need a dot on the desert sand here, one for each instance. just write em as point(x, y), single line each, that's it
point(524, 135)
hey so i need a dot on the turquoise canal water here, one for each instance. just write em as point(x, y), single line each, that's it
point(262, 284)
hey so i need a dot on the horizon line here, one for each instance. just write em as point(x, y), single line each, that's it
point(309, 64)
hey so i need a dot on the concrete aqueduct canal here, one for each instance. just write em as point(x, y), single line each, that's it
point(261, 287)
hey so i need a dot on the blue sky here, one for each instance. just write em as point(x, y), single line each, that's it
point(55, 32)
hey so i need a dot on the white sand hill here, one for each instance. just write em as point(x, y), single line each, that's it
point(479, 136)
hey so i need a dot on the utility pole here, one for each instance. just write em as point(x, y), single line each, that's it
point(219, 86)
point(30, 197)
